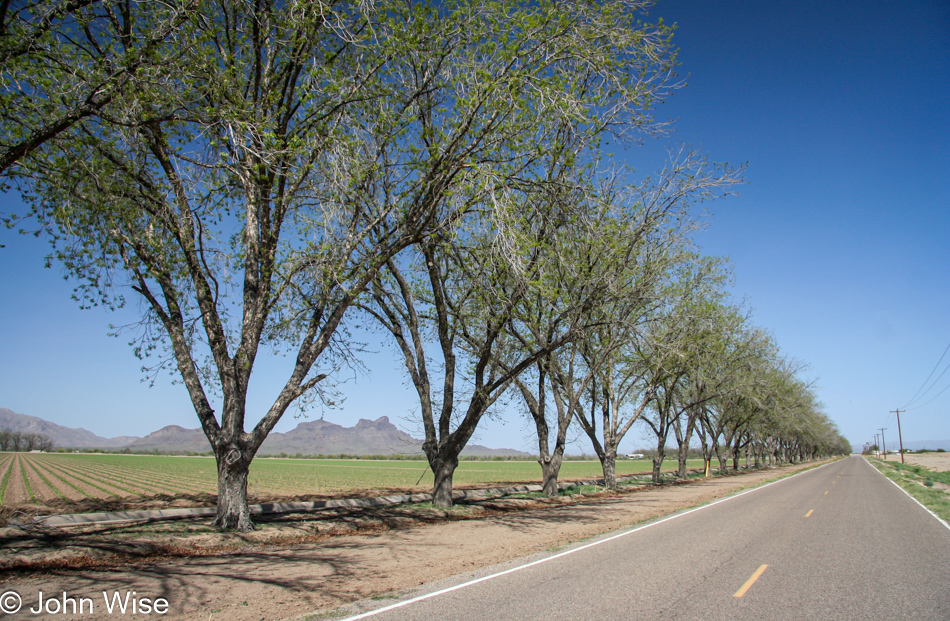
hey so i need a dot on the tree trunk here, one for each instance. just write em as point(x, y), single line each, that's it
point(233, 512)
point(608, 462)
point(683, 456)
point(723, 462)
point(658, 462)
point(443, 469)
point(550, 468)
point(736, 454)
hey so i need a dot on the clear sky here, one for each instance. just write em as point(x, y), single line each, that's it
point(839, 239)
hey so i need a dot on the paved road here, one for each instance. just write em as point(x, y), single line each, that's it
point(837, 542)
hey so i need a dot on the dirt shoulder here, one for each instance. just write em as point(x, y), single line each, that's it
point(295, 566)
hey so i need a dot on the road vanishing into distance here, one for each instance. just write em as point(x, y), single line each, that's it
point(836, 542)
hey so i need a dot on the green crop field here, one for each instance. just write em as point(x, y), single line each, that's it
point(102, 476)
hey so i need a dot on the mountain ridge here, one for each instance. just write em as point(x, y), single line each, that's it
point(315, 437)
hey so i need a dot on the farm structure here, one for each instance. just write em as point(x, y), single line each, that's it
point(36, 479)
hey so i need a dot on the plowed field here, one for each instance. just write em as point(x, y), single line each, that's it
point(78, 482)
point(32, 481)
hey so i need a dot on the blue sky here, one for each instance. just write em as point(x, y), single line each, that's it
point(841, 111)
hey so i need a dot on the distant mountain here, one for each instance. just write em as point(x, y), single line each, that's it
point(173, 439)
point(378, 437)
point(484, 451)
point(61, 436)
point(368, 437)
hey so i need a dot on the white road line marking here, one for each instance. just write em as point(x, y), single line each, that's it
point(571, 551)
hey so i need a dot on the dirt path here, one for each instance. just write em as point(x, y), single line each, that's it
point(287, 582)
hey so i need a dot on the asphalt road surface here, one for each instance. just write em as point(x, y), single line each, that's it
point(837, 542)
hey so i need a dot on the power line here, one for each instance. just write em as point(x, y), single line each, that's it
point(917, 407)
point(934, 383)
point(929, 376)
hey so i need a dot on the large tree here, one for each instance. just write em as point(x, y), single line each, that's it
point(617, 252)
point(466, 292)
point(625, 381)
point(466, 286)
point(247, 188)
point(673, 343)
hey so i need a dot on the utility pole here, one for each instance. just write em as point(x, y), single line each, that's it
point(899, 436)
point(884, 443)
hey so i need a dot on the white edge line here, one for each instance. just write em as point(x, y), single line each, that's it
point(939, 519)
point(573, 550)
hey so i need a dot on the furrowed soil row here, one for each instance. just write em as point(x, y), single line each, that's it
point(94, 483)
point(15, 490)
point(5, 479)
point(62, 488)
point(146, 480)
point(114, 479)
point(109, 483)
point(148, 484)
point(42, 489)
point(82, 492)
point(191, 485)
point(26, 483)
point(105, 475)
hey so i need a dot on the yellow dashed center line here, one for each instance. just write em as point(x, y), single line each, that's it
point(826, 493)
point(809, 512)
point(748, 583)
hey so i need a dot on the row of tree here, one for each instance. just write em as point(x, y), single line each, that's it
point(24, 441)
point(274, 174)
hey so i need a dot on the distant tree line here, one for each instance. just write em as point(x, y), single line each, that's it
point(19, 441)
